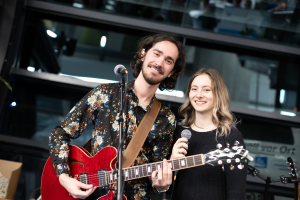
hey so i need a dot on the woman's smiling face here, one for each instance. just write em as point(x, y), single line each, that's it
point(201, 95)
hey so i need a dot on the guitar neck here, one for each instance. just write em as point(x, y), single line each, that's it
point(140, 171)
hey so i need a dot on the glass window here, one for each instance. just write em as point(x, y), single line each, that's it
point(270, 21)
point(263, 82)
point(67, 49)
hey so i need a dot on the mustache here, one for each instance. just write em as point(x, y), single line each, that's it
point(158, 68)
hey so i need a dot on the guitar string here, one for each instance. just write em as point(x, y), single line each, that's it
point(140, 168)
point(95, 178)
point(131, 171)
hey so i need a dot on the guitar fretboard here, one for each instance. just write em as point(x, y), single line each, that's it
point(147, 169)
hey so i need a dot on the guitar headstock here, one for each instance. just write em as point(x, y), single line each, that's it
point(291, 166)
point(224, 156)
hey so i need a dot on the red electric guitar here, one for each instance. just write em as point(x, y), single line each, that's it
point(97, 170)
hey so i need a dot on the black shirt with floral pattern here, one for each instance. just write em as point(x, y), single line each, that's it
point(100, 107)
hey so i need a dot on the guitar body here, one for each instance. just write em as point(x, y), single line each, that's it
point(80, 161)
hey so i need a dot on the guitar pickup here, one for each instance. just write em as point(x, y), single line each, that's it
point(84, 178)
point(102, 178)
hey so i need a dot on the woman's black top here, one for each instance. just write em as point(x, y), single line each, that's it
point(206, 181)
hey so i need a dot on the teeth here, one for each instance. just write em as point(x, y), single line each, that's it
point(155, 69)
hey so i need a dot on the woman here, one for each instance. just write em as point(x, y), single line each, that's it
point(206, 114)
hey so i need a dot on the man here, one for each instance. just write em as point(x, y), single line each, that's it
point(158, 63)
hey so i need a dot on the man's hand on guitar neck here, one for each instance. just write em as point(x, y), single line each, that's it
point(74, 187)
point(162, 178)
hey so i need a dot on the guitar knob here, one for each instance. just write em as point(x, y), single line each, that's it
point(220, 162)
point(228, 160)
point(236, 143)
point(226, 150)
point(219, 146)
point(237, 160)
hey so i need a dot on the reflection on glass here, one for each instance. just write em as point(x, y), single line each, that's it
point(76, 50)
point(252, 82)
point(270, 20)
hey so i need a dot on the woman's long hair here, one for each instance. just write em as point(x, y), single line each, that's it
point(222, 117)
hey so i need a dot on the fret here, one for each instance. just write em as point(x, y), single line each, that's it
point(132, 173)
point(153, 168)
point(198, 160)
point(158, 165)
point(176, 164)
point(126, 174)
point(194, 160)
point(136, 169)
point(190, 161)
point(144, 169)
point(148, 169)
point(141, 171)
point(171, 164)
point(182, 163)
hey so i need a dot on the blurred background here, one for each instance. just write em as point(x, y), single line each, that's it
point(53, 52)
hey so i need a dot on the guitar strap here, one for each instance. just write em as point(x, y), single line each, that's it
point(139, 136)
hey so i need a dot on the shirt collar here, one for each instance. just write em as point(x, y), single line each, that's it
point(134, 100)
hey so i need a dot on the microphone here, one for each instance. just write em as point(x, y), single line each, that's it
point(120, 70)
point(186, 133)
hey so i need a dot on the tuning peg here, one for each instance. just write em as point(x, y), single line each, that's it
point(227, 144)
point(235, 148)
point(288, 164)
point(231, 167)
point(236, 143)
point(291, 174)
point(217, 151)
point(219, 146)
point(240, 166)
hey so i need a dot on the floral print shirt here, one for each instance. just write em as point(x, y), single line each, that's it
point(100, 107)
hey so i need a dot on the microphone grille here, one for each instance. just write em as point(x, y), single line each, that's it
point(186, 134)
point(116, 69)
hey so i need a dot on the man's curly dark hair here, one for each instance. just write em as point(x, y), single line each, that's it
point(147, 43)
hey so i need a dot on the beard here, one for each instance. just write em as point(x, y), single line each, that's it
point(151, 79)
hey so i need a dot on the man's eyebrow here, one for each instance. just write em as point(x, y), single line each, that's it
point(169, 57)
